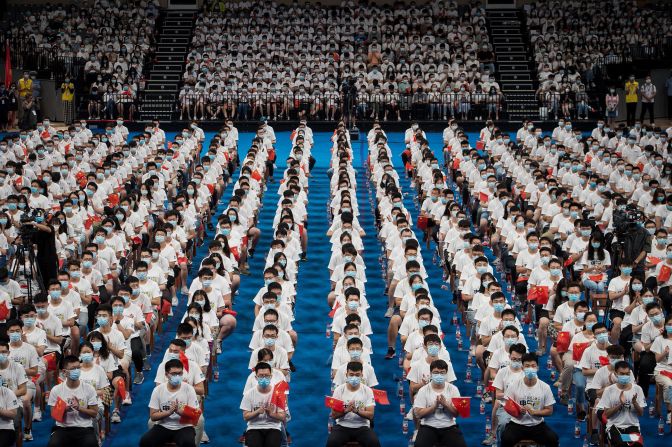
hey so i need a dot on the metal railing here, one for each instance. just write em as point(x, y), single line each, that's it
point(26, 55)
point(243, 106)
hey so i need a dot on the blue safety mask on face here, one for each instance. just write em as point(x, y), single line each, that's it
point(623, 379)
point(499, 307)
point(86, 357)
point(626, 270)
point(439, 379)
point(264, 382)
point(74, 374)
point(602, 338)
point(14, 337)
point(433, 350)
point(354, 381)
point(530, 373)
point(175, 380)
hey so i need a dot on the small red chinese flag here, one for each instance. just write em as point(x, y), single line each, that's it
point(50, 361)
point(512, 407)
point(604, 360)
point(279, 397)
point(121, 389)
point(538, 294)
point(577, 350)
point(4, 310)
point(480, 145)
point(463, 406)
point(653, 260)
point(256, 175)
point(456, 163)
point(483, 198)
point(334, 404)
point(58, 410)
point(190, 415)
point(380, 396)
point(333, 311)
point(664, 274)
point(422, 222)
point(185, 361)
point(562, 344)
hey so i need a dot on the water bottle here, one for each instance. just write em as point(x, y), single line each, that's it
point(402, 407)
point(330, 423)
point(661, 426)
point(488, 425)
point(470, 360)
point(481, 407)
point(401, 359)
point(585, 441)
point(460, 345)
point(553, 374)
point(400, 389)
point(467, 377)
point(458, 334)
point(328, 331)
point(577, 429)
point(549, 363)
point(570, 406)
point(404, 426)
point(454, 320)
point(479, 389)
point(652, 409)
point(215, 373)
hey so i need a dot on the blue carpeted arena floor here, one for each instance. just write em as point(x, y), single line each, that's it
point(309, 385)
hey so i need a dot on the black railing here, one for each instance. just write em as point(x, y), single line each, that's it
point(241, 107)
point(26, 55)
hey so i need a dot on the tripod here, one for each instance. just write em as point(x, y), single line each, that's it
point(30, 270)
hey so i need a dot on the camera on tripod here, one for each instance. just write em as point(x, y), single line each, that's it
point(26, 231)
point(627, 219)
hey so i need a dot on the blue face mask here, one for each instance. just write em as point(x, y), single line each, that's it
point(97, 345)
point(102, 321)
point(668, 328)
point(439, 379)
point(602, 338)
point(530, 373)
point(510, 341)
point(499, 307)
point(416, 286)
point(74, 374)
point(626, 270)
point(647, 299)
point(516, 364)
point(657, 319)
point(353, 305)
point(175, 380)
point(86, 357)
point(354, 381)
point(555, 272)
point(14, 337)
point(623, 379)
point(433, 350)
point(3, 358)
point(574, 297)
point(355, 354)
point(589, 326)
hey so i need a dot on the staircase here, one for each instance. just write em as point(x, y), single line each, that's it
point(515, 65)
point(162, 85)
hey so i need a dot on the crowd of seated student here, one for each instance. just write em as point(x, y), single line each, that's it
point(116, 220)
point(573, 41)
point(317, 61)
point(112, 46)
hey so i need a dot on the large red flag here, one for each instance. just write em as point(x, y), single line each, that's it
point(58, 410)
point(190, 415)
point(279, 397)
point(512, 407)
point(8, 65)
point(380, 396)
point(462, 405)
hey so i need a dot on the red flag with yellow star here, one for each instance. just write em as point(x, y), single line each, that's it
point(463, 406)
point(279, 397)
point(334, 404)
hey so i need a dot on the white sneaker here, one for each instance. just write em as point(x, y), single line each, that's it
point(128, 400)
point(389, 312)
point(115, 418)
point(205, 438)
point(27, 435)
point(669, 418)
point(175, 302)
point(184, 290)
point(37, 415)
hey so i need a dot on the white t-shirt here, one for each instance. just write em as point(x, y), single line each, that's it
point(626, 417)
point(254, 399)
point(658, 347)
point(536, 396)
point(84, 395)
point(362, 398)
point(8, 401)
point(162, 397)
point(426, 397)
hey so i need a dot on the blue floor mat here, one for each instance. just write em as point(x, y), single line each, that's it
point(309, 385)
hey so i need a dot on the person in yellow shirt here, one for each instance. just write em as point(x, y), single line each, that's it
point(25, 84)
point(631, 99)
point(68, 100)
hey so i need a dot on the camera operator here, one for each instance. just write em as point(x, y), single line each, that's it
point(43, 237)
point(632, 241)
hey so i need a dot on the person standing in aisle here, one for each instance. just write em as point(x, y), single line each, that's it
point(631, 99)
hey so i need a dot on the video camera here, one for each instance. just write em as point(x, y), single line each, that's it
point(627, 219)
point(26, 231)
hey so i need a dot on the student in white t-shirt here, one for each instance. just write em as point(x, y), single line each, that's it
point(661, 348)
point(536, 400)
point(354, 422)
point(264, 419)
point(623, 404)
point(82, 408)
point(166, 407)
point(9, 405)
point(433, 405)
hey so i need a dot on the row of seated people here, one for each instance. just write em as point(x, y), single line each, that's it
point(273, 341)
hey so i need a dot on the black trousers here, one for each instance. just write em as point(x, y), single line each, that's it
point(364, 436)
point(615, 437)
point(647, 107)
point(647, 363)
point(137, 353)
point(263, 438)
point(7, 437)
point(158, 436)
point(540, 433)
point(669, 107)
point(631, 111)
point(440, 437)
point(81, 437)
